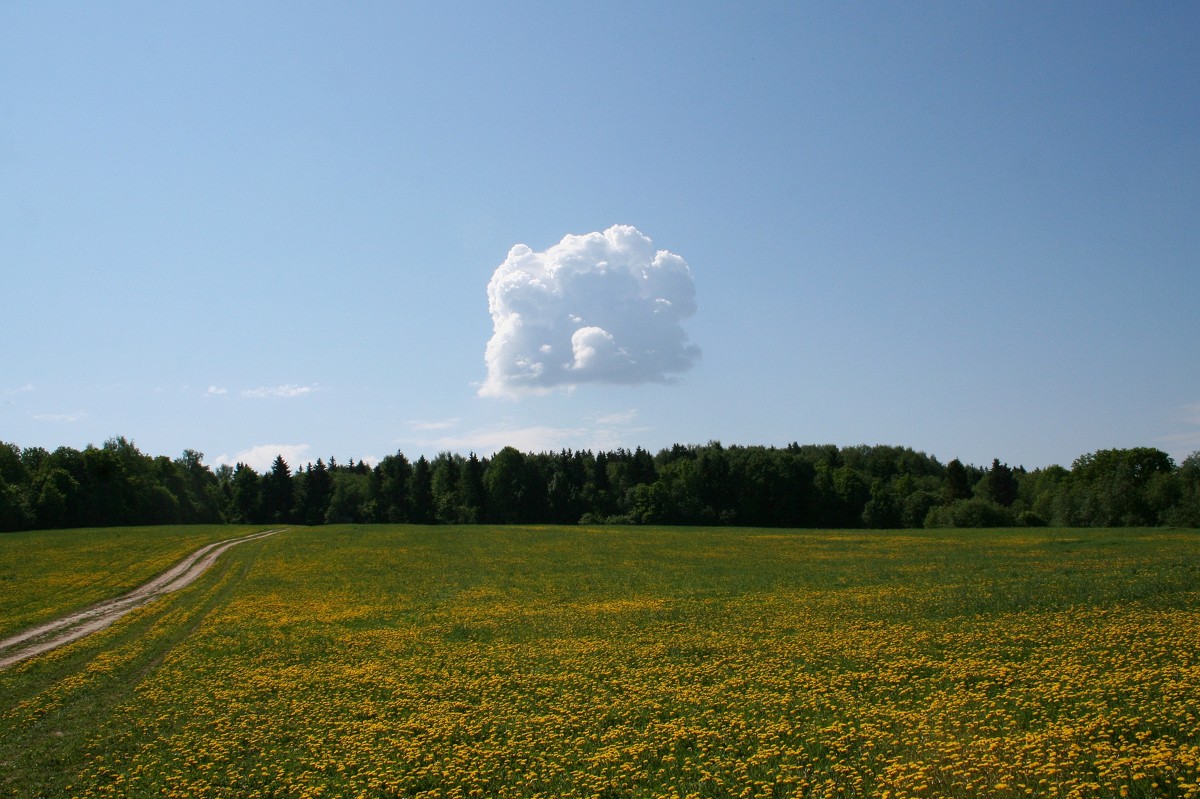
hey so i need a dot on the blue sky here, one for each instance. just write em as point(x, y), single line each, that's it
point(250, 228)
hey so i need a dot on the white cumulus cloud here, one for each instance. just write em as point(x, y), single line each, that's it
point(599, 308)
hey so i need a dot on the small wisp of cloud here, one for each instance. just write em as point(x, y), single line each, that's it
point(261, 457)
point(445, 424)
point(63, 418)
point(12, 392)
point(1191, 413)
point(1186, 439)
point(286, 391)
point(598, 308)
point(605, 432)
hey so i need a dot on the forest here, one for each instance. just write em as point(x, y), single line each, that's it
point(813, 486)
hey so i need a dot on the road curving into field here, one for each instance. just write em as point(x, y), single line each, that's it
point(74, 626)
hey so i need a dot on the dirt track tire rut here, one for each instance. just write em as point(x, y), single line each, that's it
point(74, 626)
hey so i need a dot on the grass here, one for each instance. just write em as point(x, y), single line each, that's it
point(47, 573)
point(630, 662)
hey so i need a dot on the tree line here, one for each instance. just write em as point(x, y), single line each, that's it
point(820, 486)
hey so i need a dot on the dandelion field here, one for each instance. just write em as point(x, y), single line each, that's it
point(636, 662)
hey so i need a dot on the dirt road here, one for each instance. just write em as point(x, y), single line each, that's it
point(70, 628)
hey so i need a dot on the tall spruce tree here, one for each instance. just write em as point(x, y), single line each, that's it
point(277, 493)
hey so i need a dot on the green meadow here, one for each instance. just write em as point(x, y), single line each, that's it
point(441, 661)
point(47, 573)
